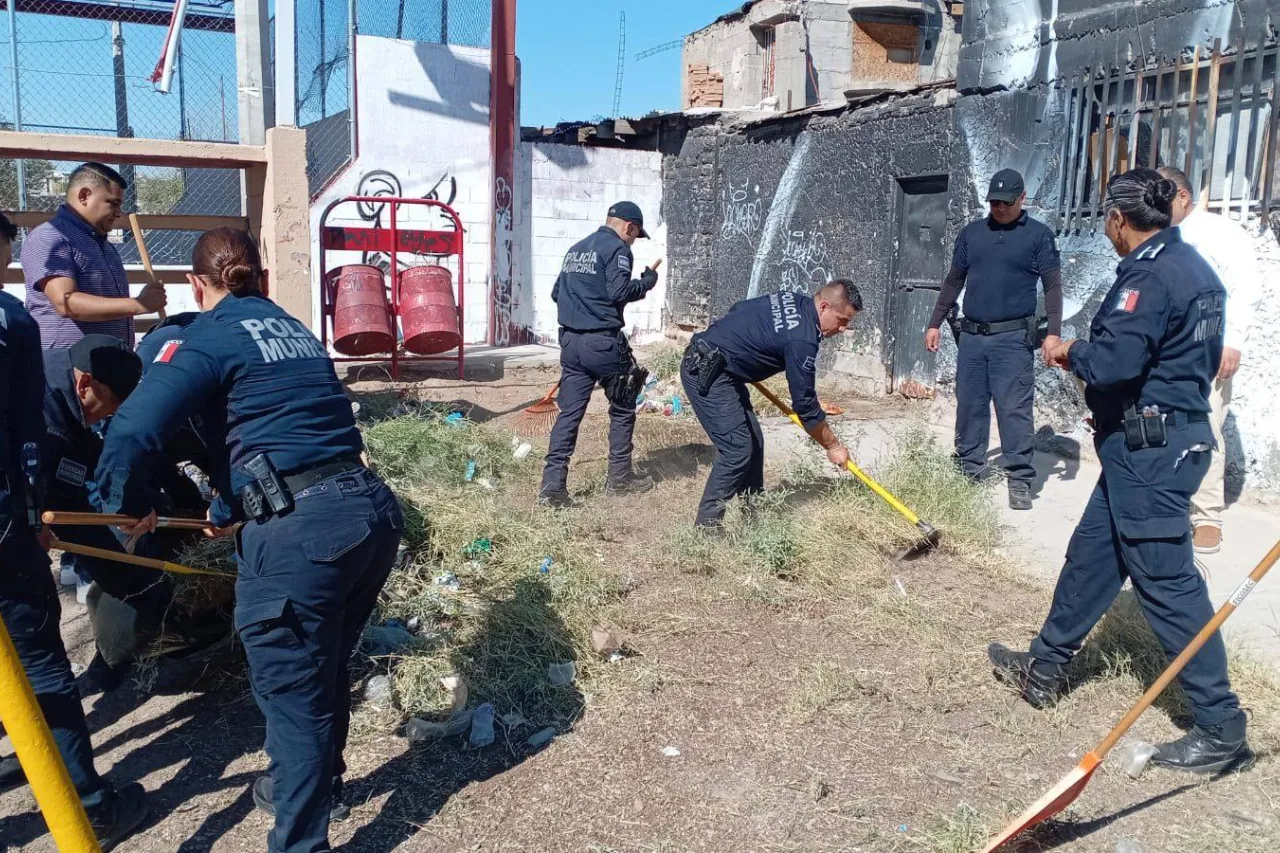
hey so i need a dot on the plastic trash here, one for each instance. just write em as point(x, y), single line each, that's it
point(522, 451)
point(562, 674)
point(544, 568)
point(414, 623)
point(902, 587)
point(448, 580)
point(1134, 756)
point(454, 418)
point(676, 406)
point(478, 547)
point(377, 690)
point(481, 727)
point(667, 410)
point(670, 751)
point(471, 470)
point(1128, 845)
point(383, 640)
point(542, 737)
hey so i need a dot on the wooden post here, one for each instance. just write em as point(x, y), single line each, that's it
point(1157, 113)
point(1079, 148)
point(1135, 120)
point(1270, 146)
point(1211, 122)
point(1233, 139)
point(1064, 162)
point(1100, 172)
point(1191, 117)
point(1251, 151)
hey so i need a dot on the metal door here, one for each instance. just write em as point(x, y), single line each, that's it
point(920, 263)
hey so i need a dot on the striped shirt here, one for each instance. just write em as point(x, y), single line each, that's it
point(68, 246)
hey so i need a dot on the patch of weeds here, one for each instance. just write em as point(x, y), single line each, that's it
point(961, 831)
point(824, 687)
point(417, 449)
point(663, 361)
point(769, 535)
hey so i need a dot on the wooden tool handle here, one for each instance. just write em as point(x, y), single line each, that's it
point(1171, 672)
point(144, 562)
point(136, 227)
point(95, 518)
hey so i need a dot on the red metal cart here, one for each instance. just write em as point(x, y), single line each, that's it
point(391, 241)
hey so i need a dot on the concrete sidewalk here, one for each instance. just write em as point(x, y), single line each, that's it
point(1037, 539)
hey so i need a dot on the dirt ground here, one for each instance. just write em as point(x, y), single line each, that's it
point(746, 719)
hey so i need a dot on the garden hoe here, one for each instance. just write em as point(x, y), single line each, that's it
point(928, 533)
point(1072, 785)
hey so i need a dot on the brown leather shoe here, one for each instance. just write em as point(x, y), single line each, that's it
point(1207, 539)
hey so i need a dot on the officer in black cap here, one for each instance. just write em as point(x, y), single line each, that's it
point(594, 287)
point(999, 258)
point(93, 381)
point(1153, 351)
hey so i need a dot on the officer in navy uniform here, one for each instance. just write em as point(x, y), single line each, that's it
point(1153, 351)
point(594, 287)
point(756, 339)
point(320, 530)
point(998, 259)
point(28, 598)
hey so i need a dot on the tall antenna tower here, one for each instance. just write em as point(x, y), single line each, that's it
point(622, 59)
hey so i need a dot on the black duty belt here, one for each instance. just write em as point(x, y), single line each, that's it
point(564, 329)
point(973, 327)
point(304, 480)
point(1175, 418)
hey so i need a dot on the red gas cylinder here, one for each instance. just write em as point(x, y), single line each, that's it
point(428, 312)
point(361, 315)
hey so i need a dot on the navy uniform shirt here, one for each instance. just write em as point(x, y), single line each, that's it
point(249, 359)
point(1157, 337)
point(763, 336)
point(595, 283)
point(21, 394)
point(1002, 264)
point(201, 439)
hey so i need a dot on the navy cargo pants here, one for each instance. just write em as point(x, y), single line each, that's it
point(585, 359)
point(1135, 526)
point(31, 612)
point(308, 581)
point(725, 413)
point(995, 368)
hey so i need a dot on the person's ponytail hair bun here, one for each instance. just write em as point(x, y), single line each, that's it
point(228, 258)
point(1160, 195)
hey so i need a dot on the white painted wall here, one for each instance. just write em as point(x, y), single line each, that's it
point(424, 127)
point(572, 190)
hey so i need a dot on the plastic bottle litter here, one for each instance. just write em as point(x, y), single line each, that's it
point(377, 691)
point(481, 727)
point(471, 470)
point(523, 450)
point(562, 674)
point(454, 418)
point(419, 730)
point(676, 406)
point(542, 737)
point(667, 410)
point(670, 751)
point(1134, 756)
point(544, 568)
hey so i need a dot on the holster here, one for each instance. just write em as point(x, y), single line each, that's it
point(952, 319)
point(707, 363)
point(267, 494)
point(1143, 429)
point(1041, 331)
point(623, 387)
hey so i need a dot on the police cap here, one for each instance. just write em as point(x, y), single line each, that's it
point(108, 360)
point(1006, 185)
point(629, 211)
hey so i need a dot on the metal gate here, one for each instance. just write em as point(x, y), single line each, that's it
point(919, 265)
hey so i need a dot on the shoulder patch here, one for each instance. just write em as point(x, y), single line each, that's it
point(809, 365)
point(167, 350)
point(1127, 300)
point(1150, 253)
point(624, 262)
point(71, 472)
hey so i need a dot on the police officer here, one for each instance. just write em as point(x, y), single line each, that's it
point(758, 338)
point(28, 599)
point(1153, 351)
point(999, 259)
point(320, 530)
point(594, 287)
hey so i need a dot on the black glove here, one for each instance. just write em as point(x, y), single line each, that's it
point(649, 278)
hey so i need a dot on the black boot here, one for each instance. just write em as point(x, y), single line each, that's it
point(100, 677)
point(633, 485)
point(1019, 495)
point(118, 815)
point(556, 500)
point(1205, 750)
point(1041, 684)
point(263, 789)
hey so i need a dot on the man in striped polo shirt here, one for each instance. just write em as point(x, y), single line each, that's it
point(76, 283)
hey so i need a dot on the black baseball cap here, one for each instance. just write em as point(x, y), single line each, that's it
point(629, 211)
point(109, 361)
point(1006, 185)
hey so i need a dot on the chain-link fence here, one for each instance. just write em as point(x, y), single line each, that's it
point(86, 68)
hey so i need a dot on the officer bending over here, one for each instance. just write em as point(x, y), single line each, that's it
point(758, 338)
point(320, 530)
point(1154, 348)
point(28, 599)
point(594, 287)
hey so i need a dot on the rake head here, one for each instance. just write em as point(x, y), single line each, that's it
point(537, 419)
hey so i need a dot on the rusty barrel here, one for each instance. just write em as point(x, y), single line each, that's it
point(361, 314)
point(428, 312)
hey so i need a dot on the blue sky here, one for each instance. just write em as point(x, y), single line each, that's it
point(568, 53)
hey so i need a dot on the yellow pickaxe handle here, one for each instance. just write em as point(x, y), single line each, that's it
point(145, 562)
point(871, 484)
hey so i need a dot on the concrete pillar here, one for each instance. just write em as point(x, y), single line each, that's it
point(286, 72)
point(253, 65)
point(279, 209)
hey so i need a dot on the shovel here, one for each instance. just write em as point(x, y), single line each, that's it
point(929, 534)
point(1072, 785)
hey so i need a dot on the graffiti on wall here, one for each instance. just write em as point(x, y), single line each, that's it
point(381, 183)
point(804, 261)
point(741, 211)
point(503, 263)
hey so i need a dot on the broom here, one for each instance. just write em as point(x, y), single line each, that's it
point(541, 416)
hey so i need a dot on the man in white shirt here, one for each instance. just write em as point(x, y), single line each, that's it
point(1227, 247)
